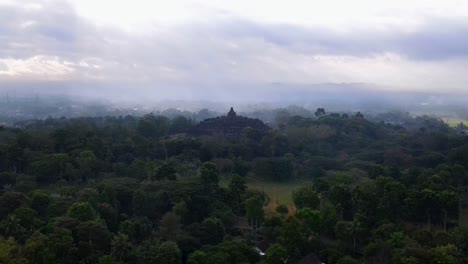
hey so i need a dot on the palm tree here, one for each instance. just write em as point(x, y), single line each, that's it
point(356, 228)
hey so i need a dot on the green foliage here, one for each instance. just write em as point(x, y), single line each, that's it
point(237, 186)
point(8, 250)
point(153, 126)
point(276, 169)
point(9, 201)
point(106, 260)
point(136, 229)
point(276, 254)
point(311, 219)
point(347, 260)
point(225, 252)
point(197, 257)
point(216, 230)
point(236, 190)
point(169, 226)
point(306, 197)
point(209, 173)
point(120, 247)
point(82, 211)
point(282, 209)
point(445, 255)
point(166, 171)
point(40, 201)
point(169, 253)
point(36, 249)
point(134, 190)
point(293, 237)
point(254, 207)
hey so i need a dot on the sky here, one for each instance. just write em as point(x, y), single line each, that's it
point(398, 45)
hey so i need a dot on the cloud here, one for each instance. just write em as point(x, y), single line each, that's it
point(37, 67)
point(51, 40)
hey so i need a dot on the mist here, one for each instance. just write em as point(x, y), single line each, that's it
point(146, 56)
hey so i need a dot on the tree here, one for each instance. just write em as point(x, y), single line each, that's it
point(340, 196)
point(169, 253)
point(82, 211)
point(306, 197)
point(393, 195)
point(350, 231)
point(169, 226)
point(428, 201)
point(215, 230)
point(166, 171)
point(106, 260)
point(25, 217)
point(275, 168)
point(36, 249)
point(293, 237)
point(197, 257)
point(153, 126)
point(449, 204)
point(40, 201)
point(88, 164)
point(137, 229)
point(181, 210)
point(147, 252)
point(9, 201)
point(282, 209)
point(445, 255)
point(180, 124)
point(209, 174)
point(8, 251)
point(94, 237)
point(255, 213)
point(120, 247)
point(347, 260)
point(225, 252)
point(236, 190)
point(311, 219)
point(61, 243)
point(320, 112)
point(356, 228)
point(237, 186)
point(110, 215)
point(358, 115)
point(276, 254)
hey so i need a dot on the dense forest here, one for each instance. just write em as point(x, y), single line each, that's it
point(140, 190)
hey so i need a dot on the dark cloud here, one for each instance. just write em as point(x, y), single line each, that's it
point(436, 39)
point(57, 29)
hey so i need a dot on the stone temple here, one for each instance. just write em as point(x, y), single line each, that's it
point(230, 125)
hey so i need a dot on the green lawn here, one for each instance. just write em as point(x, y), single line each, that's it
point(454, 122)
point(279, 192)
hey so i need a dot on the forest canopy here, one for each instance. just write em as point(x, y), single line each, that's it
point(128, 189)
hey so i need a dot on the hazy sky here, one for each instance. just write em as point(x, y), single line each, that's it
point(403, 45)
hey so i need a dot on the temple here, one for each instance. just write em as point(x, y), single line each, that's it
point(231, 114)
point(230, 125)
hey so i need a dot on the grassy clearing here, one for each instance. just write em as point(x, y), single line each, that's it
point(454, 122)
point(279, 192)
